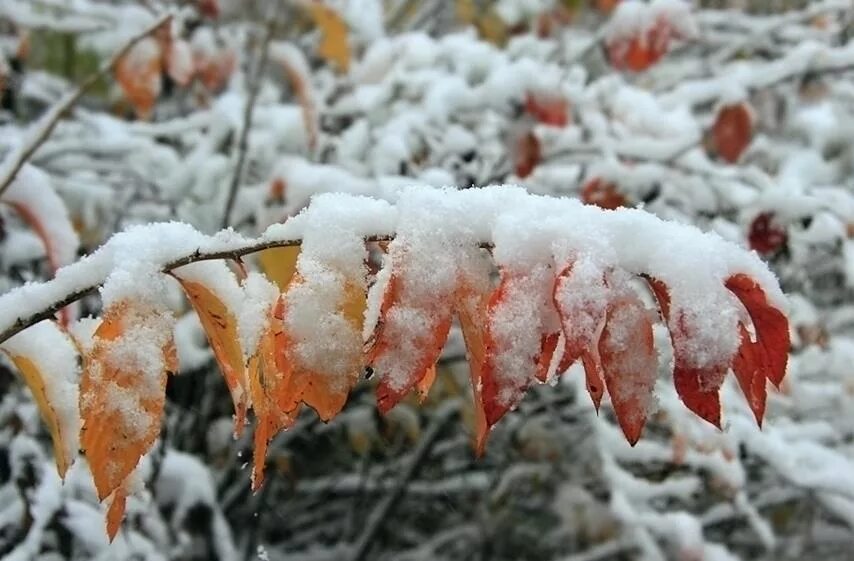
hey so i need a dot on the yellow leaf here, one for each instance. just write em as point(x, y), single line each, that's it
point(53, 384)
point(334, 44)
point(279, 264)
point(220, 327)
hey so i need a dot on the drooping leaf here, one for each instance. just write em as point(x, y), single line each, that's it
point(334, 42)
point(698, 388)
point(629, 363)
point(138, 73)
point(268, 376)
point(220, 326)
point(749, 371)
point(122, 394)
point(47, 362)
point(471, 304)
point(581, 297)
point(770, 326)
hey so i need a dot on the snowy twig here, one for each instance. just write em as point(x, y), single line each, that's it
point(382, 511)
point(243, 143)
point(236, 254)
point(41, 131)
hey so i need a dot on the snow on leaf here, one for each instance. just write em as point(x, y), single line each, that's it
point(581, 299)
point(698, 388)
point(47, 361)
point(629, 362)
point(298, 72)
point(639, 34)
point(179, 61)
point(334, 41)
point(216, 297)
point(122, 391)
point(37, 203)
point(732, 131)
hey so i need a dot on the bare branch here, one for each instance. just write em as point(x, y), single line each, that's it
point(41, 131)
point(243, 143)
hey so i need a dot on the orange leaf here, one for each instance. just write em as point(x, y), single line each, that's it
point(732, 131)
point(629, 363)
point(424, 347)
point(268, 371)
point(698, 388)
point(334, 43)
point(279, 264)
point(122, 391)
point(471, 308)
point(138, 73)
point(116, 510)
point(220, 327)
point(324, 391)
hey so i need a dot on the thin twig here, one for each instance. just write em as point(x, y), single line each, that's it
point(384, 509)
point(243, 143)
point(42, 130)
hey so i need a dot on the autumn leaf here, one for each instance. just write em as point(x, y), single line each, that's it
point(629, 362)
point(220, 326)
point(603, 194)
point(334, 42)
point(766, 235)
point(279, 264)
point(547, 109)
point(122, 394)
point(769, 324)
point(271, 402)
point(51, 377)
point(138, 73)
point(471, 304)
point(732, 131)
point(527, 154)
point(698, 388)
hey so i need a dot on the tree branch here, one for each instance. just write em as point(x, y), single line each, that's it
point(384, 509)
point(18, 156)
point(243, 143)
point(254, 246)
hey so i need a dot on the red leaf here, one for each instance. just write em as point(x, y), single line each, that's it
point(527, 154)
point(748, 368)
point(602, 194)
point(629, 363)
point(547, 109)
point(765, 235)
point(769, 323)
point(471, 308)
point(698, 388)
point(641, 51)
point(732, 131)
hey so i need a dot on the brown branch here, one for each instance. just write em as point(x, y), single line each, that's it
point(50, 311)
point(42, 130)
